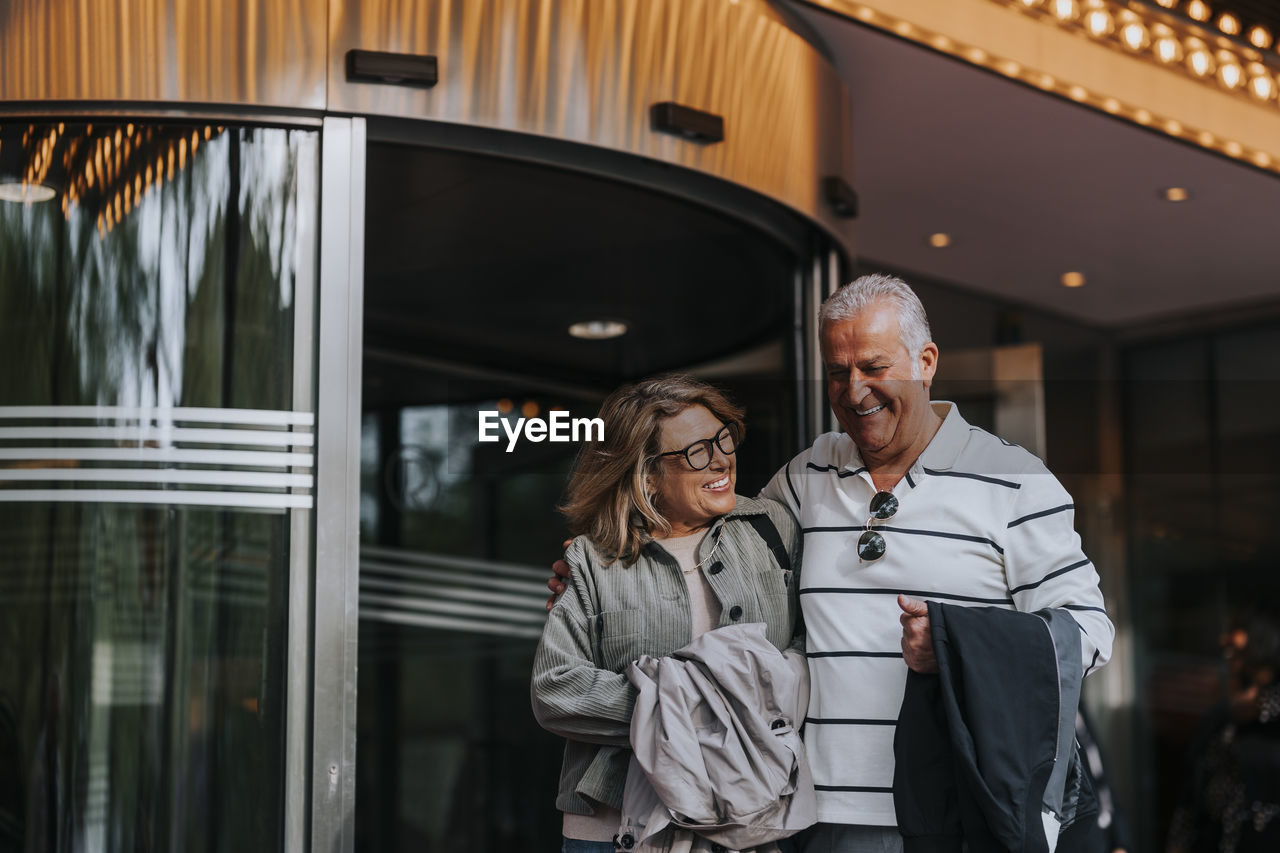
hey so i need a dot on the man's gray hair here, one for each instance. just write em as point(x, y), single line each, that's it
point(859, 294)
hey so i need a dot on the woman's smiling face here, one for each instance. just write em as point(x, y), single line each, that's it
point(688, 499)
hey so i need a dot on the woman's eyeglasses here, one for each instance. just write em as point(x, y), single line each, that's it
point(871, 544)
point(700, 453)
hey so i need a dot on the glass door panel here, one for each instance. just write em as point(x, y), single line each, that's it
point(151, 464)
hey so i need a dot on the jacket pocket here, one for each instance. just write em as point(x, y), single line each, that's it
point(619, 636)
point(775, 611)
point(774, 581)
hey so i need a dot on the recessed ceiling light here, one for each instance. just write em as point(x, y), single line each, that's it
point(1072, 279)
point(598, 330)
point(939, 240)
point(20, 192)
point(1176, 194)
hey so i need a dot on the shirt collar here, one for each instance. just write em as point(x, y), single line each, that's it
point(746, 506)
point(949, 440)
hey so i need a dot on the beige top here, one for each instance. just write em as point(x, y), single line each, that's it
point(704, 608)
point(703, 605)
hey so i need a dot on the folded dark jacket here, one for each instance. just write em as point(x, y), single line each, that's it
point(986, 758)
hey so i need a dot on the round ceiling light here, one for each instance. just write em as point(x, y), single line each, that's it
point(23, 192)
point(598, 330)
point(1072, 279)
point(1135, 36)
point(1099, 23)
point(940, 240)
point(1168, 50)
point(1065, 10)
point(1200, 63)
point(1230, 74)
point(1175, 194)
point(1261, 86)
point(1260, 37)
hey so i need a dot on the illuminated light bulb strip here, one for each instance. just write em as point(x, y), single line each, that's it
point(1008, 67)
point(1208, 57)
point(41, 158)
point(117, 155)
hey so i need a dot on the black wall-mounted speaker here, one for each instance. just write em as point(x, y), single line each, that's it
point(397, 69)
point(842, 197)
point(694, 125)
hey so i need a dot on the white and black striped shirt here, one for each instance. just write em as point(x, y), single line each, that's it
point(980, 522)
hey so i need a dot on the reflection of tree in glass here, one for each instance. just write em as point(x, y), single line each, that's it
point(410, 478)
point(144, 645)
point(186, 301)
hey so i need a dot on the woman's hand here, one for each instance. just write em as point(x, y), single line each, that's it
point(558, 582)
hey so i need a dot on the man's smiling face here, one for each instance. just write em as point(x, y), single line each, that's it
point(878, 391)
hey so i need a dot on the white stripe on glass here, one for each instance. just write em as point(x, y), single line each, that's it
point(250, 458)
point(266, 417)
point(162, 433)
point(535, 615)
point(449, 623)
point(261, 479)
point(259, 500)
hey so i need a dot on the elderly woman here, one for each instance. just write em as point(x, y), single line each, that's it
point(665, 551)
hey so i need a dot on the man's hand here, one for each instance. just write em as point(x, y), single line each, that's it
point(917, 638)
point(557, 582)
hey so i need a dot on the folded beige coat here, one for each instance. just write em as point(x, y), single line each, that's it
point(718, 758)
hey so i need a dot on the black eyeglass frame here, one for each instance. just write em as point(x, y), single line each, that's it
point(729, 430)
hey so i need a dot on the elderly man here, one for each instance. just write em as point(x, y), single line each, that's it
point(909, 502)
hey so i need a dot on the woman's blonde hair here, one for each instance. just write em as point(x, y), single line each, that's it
point(608, 498)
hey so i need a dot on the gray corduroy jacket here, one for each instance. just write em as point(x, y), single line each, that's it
point(612, 614)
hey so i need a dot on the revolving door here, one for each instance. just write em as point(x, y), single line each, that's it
point(545, 302)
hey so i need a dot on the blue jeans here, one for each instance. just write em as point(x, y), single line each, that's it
point(573, 845)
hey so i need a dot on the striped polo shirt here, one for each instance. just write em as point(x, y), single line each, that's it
point(980, 522)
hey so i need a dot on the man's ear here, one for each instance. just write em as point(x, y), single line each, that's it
point(928, 362)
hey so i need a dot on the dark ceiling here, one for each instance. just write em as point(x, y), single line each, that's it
point(484, 262)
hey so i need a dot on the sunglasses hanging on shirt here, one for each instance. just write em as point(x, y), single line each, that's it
point(871, 544)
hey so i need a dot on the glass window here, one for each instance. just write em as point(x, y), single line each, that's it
point(150, 456)
point(1201, 428)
